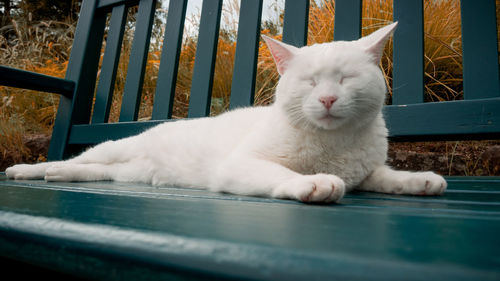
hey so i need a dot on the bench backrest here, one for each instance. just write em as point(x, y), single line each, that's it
point(409, 118)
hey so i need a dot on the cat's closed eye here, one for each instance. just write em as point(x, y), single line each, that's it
point(344, 78)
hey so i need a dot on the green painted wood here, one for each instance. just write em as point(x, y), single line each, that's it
point(82, 69)
point(34, 81)
point(408, 52)
point(214, 234)
point(295, 22)
point(137, 63)
point(204, 64)
point(169, 61)
point(106, 85)
point(480, 49)
point(247, 48)
point(107, 5)
point(347, 20)
point(470, 119)
point(100, 132)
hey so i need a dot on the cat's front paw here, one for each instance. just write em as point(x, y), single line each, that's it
point(314, 188)
point(25, 172)
point(426, 183)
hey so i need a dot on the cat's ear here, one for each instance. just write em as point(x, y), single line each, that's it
point(282, 53)
point(375, 42)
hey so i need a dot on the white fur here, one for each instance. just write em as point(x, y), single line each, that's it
point(296, 148)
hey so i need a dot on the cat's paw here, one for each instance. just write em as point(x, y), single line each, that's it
point(314, 188)
point(424, 183)
point(26, 172)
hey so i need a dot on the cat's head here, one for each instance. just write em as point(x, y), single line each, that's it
point(331, 85)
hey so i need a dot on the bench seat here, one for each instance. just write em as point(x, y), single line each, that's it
point(121, 231)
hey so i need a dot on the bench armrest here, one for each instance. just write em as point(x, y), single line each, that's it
point(34, 81)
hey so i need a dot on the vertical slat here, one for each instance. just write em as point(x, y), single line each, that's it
point(110, 61)
point(206, 49)
point(480, 49)
point(347, 20)
point(408, 68)
point(245, 62)
point(295, 22)
point(82, 69)
point(167, 74)
point(137, 63)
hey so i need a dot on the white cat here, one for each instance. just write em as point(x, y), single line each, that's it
point(324, 135)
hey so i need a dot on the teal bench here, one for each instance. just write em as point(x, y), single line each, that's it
point(117, 231)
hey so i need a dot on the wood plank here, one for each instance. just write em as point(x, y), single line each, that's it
point(247, 48)
point(295, 22)
point(106, 85)
point(101, 132)
point(480, 49)
point(137, 63)
point(18, 78)
point(82, 68)
point(204, 64)
point(477, 202)
point(169, 61)
point(347, 24)
point(109, 4)
point(471, 119)
point(246, 237)
point(408, 52)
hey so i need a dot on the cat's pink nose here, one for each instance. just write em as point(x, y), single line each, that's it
point(328, 101)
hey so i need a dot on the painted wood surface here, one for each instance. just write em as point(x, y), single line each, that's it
point(347, 20)
point(408, 52)
point(107, 77)
point(246, 54)
point(204, 64)
point(136, 68)
point(171, 229)
point(480, 49)
point(82, 68)
point(295, 21)
point(169, 61)
point(13, 77)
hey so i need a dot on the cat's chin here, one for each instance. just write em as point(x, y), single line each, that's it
point(330, 122)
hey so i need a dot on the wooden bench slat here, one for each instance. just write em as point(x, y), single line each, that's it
point(204, 64)
point(19, 78)
point(480, 49)
point(82, 69)
point(347, 24)
point(137, 62)
point(106, 85)
point(100, 132)
point(295, 22)
point(109, 4)
point(169, 61)
point(247, 48)
point(408, 51)
point(208, 232)
point(470, 119)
